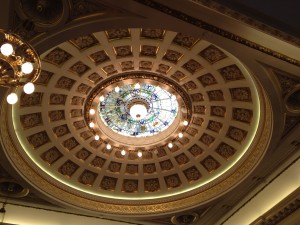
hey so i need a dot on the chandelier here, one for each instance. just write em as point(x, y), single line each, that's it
point(20, 65)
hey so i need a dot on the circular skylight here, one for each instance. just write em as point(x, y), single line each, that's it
point(158, 110)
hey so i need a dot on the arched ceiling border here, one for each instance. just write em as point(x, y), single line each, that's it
point(217, 30)
point(217, 6)
point(65, 13)
point(209, 104)
point(139, 210)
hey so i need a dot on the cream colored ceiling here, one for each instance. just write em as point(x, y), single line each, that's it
point(270, 55)
point(221, 144)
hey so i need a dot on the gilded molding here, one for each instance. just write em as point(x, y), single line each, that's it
point(72, 197)
point(216, 30)
point(252, 22)
point(137, 75)
point(283, 213)
point(280, 211)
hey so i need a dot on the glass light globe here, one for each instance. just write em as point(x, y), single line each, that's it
point(97, 137)
point(137, 86)
point(27, 67)
point(180, 135)
point(170, 145)
point(185, 123)
point(7, 49)
point(108, 146)
point(117, 89)
point(12, 98)
point(123, 152)
point(138, 111)
point(92, 111)
point(29, 88)
point(91, 124)
point(101, 98)
point(140, 154)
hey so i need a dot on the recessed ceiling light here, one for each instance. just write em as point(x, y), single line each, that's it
point(92, 111)
point(137, 86)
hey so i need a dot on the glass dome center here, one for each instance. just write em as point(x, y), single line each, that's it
point(138, 112)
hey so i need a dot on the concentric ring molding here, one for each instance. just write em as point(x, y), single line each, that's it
point(146, 143)
point(218, 150)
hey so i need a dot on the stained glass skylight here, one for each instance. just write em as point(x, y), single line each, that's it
point(162, 109)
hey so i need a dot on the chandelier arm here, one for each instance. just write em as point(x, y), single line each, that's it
point(15, 53)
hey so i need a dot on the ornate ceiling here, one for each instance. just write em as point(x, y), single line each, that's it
point(228, 95)
point(225, 107)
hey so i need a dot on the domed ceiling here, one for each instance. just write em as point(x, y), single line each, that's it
point(201, 136)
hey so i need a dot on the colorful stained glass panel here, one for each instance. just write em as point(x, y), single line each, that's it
point(162, 109)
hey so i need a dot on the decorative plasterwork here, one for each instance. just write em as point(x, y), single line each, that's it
point(9, 188)
point(224, 107)
point(216, 30)
point(250, 21)
point(131, 209)
point(276, 216)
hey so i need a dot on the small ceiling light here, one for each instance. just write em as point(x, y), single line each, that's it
point(185, 123)
point(117, 89)
point(91, 124)
point(123, 152)
point(27, 68)
point(180, 135)
point(97, 137)
point(137, 86)
point(173, 97)
point(101, 98)
point(140, 154)
point(12, 98)
point(170, 145)
point(29, 88)
point(92, 111)
point(108, 146)
point(7, 49)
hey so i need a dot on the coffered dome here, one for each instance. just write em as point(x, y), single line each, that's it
point(206, 126)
